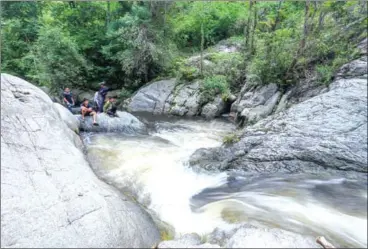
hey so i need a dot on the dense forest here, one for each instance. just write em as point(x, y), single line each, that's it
point(130, 43)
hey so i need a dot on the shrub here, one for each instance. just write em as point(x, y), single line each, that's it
point(216, 84)
point(231, 139)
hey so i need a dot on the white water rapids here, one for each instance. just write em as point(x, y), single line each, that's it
point(154, 169)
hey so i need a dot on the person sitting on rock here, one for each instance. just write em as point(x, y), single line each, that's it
point(68, 99)
point(109, 107)
point(86, 109)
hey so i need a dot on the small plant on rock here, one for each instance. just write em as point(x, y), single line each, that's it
point(231, 139)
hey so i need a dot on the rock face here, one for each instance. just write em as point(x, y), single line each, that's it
point(170, 98)
point(84, 95)
point(126, 123)
point(184, 100)
point(50, 196)
point(71, 121)
point(187, 241)
point(256, 103)
point(152, 97)
point(244, 236)
point(253, 237)
point(326, 131)
point(214, 109)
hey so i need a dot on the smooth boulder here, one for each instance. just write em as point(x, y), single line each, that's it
point(125, 123)
point(328, 131)
point(151, 98)
point(255, 103)
point(71, 121)
point(50, 197)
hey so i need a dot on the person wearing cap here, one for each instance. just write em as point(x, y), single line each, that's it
point(86, 109)
point(101, 96)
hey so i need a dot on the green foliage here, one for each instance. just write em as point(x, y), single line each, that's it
point(218, 19)
point(128, 44)
point(136, 47)
point(231, 139)
point(58, 62)
point(125, 93)
point(215, 84)
point(165, 235)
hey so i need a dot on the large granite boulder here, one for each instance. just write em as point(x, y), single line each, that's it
point(125, 123)
point(192, 240)
point(256, 102)
point(184, 100)
point(326, 131)
point(254, 237)
point(69, 119)
point(50, 197)
point(89, 94)
point(151, 98)
point(214, 109)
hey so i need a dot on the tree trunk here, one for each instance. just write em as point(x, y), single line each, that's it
point(165, 19)
point(273, 28)
point(321, 19)
point(248, 24)
point(202, 45)
point(252, 50)
point(108, 14)
point(302, 43)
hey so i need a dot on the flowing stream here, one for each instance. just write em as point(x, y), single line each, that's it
point(155, 170)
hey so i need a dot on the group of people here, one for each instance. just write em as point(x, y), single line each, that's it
point(100, 105)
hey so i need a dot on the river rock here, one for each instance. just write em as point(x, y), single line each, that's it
point(214, 109)
point(151, 98)
point(71, 121)
point(328, 131)
point(256, 102)
point(85, 95)
point(50, 197)
point(184, 100)
point(125, 123)
point(254, 237)
point(355, 68)
point(192, 240)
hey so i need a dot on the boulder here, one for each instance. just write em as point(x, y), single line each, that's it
point(50, 197)
point(328, 131)
point(113, 93)
point(254, 237)
point(125, 123)
point(85, 95)
point(71, 121)
point(184, 100)
point(214, 109)
point(354, 69)
point(151, 98)
point(192, 240)
point(54, 97)
point(255, 103)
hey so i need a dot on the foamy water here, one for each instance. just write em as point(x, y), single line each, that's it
point(154, 168)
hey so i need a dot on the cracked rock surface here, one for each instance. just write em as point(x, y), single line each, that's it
point(50, 196)
point(328, 131)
